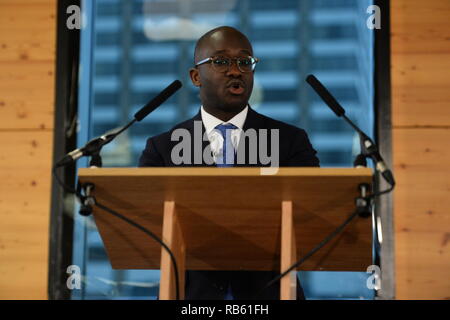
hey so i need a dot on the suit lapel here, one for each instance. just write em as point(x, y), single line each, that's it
point(256, 122)
point(253, 120)
point(190, 126)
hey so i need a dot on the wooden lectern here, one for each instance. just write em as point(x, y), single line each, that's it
point(231, 219)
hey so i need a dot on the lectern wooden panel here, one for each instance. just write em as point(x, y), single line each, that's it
point(231, 217)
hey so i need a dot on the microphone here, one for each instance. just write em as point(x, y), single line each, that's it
point(325, 95)
point(94, 146)
point(158, 100)
point(90, 148)
point(368, 146)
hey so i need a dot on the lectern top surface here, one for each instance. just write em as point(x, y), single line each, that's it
point(232, 214)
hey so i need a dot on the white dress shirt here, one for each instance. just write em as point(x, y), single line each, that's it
point(215, 138)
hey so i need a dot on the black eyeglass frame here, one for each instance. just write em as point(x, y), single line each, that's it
point(211, 59)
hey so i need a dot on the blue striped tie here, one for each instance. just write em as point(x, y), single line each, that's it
point(227, 159)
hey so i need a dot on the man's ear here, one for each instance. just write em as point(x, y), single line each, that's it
point(195, 77)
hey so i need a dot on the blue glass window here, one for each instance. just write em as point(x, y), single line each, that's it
point(130, 50)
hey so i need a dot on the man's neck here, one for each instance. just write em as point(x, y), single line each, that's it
point(222, 114)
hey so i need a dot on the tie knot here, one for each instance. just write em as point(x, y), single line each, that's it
point(224, 127)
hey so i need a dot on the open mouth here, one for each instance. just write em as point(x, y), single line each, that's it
point(236, 88)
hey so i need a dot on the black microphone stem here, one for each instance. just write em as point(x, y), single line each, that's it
point(115, 134)
point(93, 147)
point(369, 147)
point(354, 126)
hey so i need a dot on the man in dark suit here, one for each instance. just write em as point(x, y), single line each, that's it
point(223, 71)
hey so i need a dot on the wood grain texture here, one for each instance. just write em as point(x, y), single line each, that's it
point(236, 204)
point(420, 89)
point(26, 31)
point(420, 27)
point(420, 62)
point(413, 103)
point(288, 284)
point(172, 236)
point(27, 61)
point(421, 120)
point(27, 100)
point(25, 204)
point(422, 219)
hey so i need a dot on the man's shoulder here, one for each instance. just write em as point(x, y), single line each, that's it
point(255, 120)
point(295, 148)
point(166, 136)
point(267, 122)
point(158, 147)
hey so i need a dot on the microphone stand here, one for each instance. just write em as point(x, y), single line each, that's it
point(368, 147)
point(96, 160)
point(93, 149)
point(364, 201)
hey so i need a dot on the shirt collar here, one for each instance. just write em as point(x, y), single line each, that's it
point(210, 121)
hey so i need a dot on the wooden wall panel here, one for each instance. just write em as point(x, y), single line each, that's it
point(27, 61)
point(420, 89)
point(24, 30)
point(420, 47)
point(413, 106)
point(420, 60)
point(420, 26)
point(24, 202)
point(25, 103)
point(422, 213)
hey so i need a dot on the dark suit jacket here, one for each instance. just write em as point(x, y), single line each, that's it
point(294, 150)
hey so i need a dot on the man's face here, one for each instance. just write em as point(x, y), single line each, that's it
point(228, 91)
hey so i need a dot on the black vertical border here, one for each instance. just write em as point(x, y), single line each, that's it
point(64, 140)
point(383, 136)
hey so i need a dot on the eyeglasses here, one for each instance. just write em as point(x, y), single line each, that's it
point(223, 64)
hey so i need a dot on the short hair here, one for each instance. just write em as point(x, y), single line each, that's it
point(203, 39)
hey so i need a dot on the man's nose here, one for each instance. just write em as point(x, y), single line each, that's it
point(233, 70)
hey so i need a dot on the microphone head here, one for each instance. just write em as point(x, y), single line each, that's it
point(325, 95)
point(158, 100)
